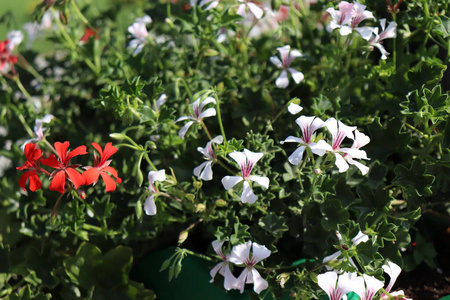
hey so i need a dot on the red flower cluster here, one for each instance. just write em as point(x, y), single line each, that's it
point(66, 174)
point(7, 60)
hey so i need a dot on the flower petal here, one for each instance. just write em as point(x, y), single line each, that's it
point(110, 184)
point(327, 282)
point(276, 61)
point(240, 253)
point(261, 180)
point(260, 252)
point(58, 182)
point(259, 283)
point(294, 108)
point(208, 113)
point(76, 178)
point(247, 194)
point(296, 75)
point(91, 175)
point(230, 181)
point(255, 9)
point(296, 157)
point(393, 271)
point(150, 206)
point(340, 163)
point(282, 80)
point(184, 129)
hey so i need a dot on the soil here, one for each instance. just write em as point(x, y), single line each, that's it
point(424, 282)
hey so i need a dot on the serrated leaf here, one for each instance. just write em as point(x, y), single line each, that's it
point(275, 225)
point(415, 180)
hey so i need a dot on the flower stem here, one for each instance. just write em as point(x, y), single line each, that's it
point(54, 214)
point(22, 88)
point(219, 117)
point(149, 161)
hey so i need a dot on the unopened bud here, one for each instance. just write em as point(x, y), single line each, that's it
point(198, 184)
point(81, 194)
point(221, 203)
point(317, 171)
point(200, 207)
point(183, 236)
point(190, 197)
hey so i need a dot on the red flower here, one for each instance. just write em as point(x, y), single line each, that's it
point(63, 169)
point(101, 168)
point(32, 164)
point(7, 60)
point(88, 32)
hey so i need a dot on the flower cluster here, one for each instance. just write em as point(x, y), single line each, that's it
point(7, 58)
point(67, 175)
point(348, 17)
point(241, 256)
point(366, 287)
point(339, 131)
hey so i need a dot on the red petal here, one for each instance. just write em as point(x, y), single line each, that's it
point(98, 148)
point(23, 179)
point(61, 150)
point(51, 161)
point(76, 178)
point(58, 182)
point(31, 153)
point(109, 150)
point(81, 150)
point(109, 182)
point(35, 182)
point(113, 172)
point(91, 175)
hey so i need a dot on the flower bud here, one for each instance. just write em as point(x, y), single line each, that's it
point(183, 236)
point(317, 171)
point(81, 194)
point(221, 203)
point(200, 207)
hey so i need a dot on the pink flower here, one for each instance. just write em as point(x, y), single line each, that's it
point(252, 7)
point(339, 131)
point(350, 154)
point(386, 33)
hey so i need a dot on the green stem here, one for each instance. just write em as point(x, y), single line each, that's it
point(147, 158)
point(22, 88)
point(54, 214)
point(206, 130)
point(225, 166)
point(219, 117)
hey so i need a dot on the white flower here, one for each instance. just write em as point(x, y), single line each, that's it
point(308, 126)
point(294, 108)
point(287, 56)
point(202, 3)
point(15, 37)
point(359, 238)
point(341, 18)
point(139, 33)
point(246, 160)
point(241, 255)
point(348, 17)
point(393, 271)
point(339, 131)
point(252, 7)
point(223, 268)
point(198, 114)
point(149, 205)
point(204, 170)
point(354, 152)
point(39, 129)
point(160, 101)
point(386, 33)
point(336, 287)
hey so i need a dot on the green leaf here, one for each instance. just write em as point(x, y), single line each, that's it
point(333, 214)
point(275, 225)
point(415, 181)
point(444, 27)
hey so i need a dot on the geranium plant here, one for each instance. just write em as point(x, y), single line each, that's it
point(308, 188)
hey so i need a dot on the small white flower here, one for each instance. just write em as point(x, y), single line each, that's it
point(287, 56)
point(339, 131)
point(204, 170)
point(240, 255)
point(354, 152)
point(139, 33)
point(246, 160)
point(198, 114)
point(308, 126)
point(336, 287)
point(149, 205)
point(252, 7)
point(15, 37)
point(386, 33)
point(39, 129)
point(294, 108)
point(223, 268)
